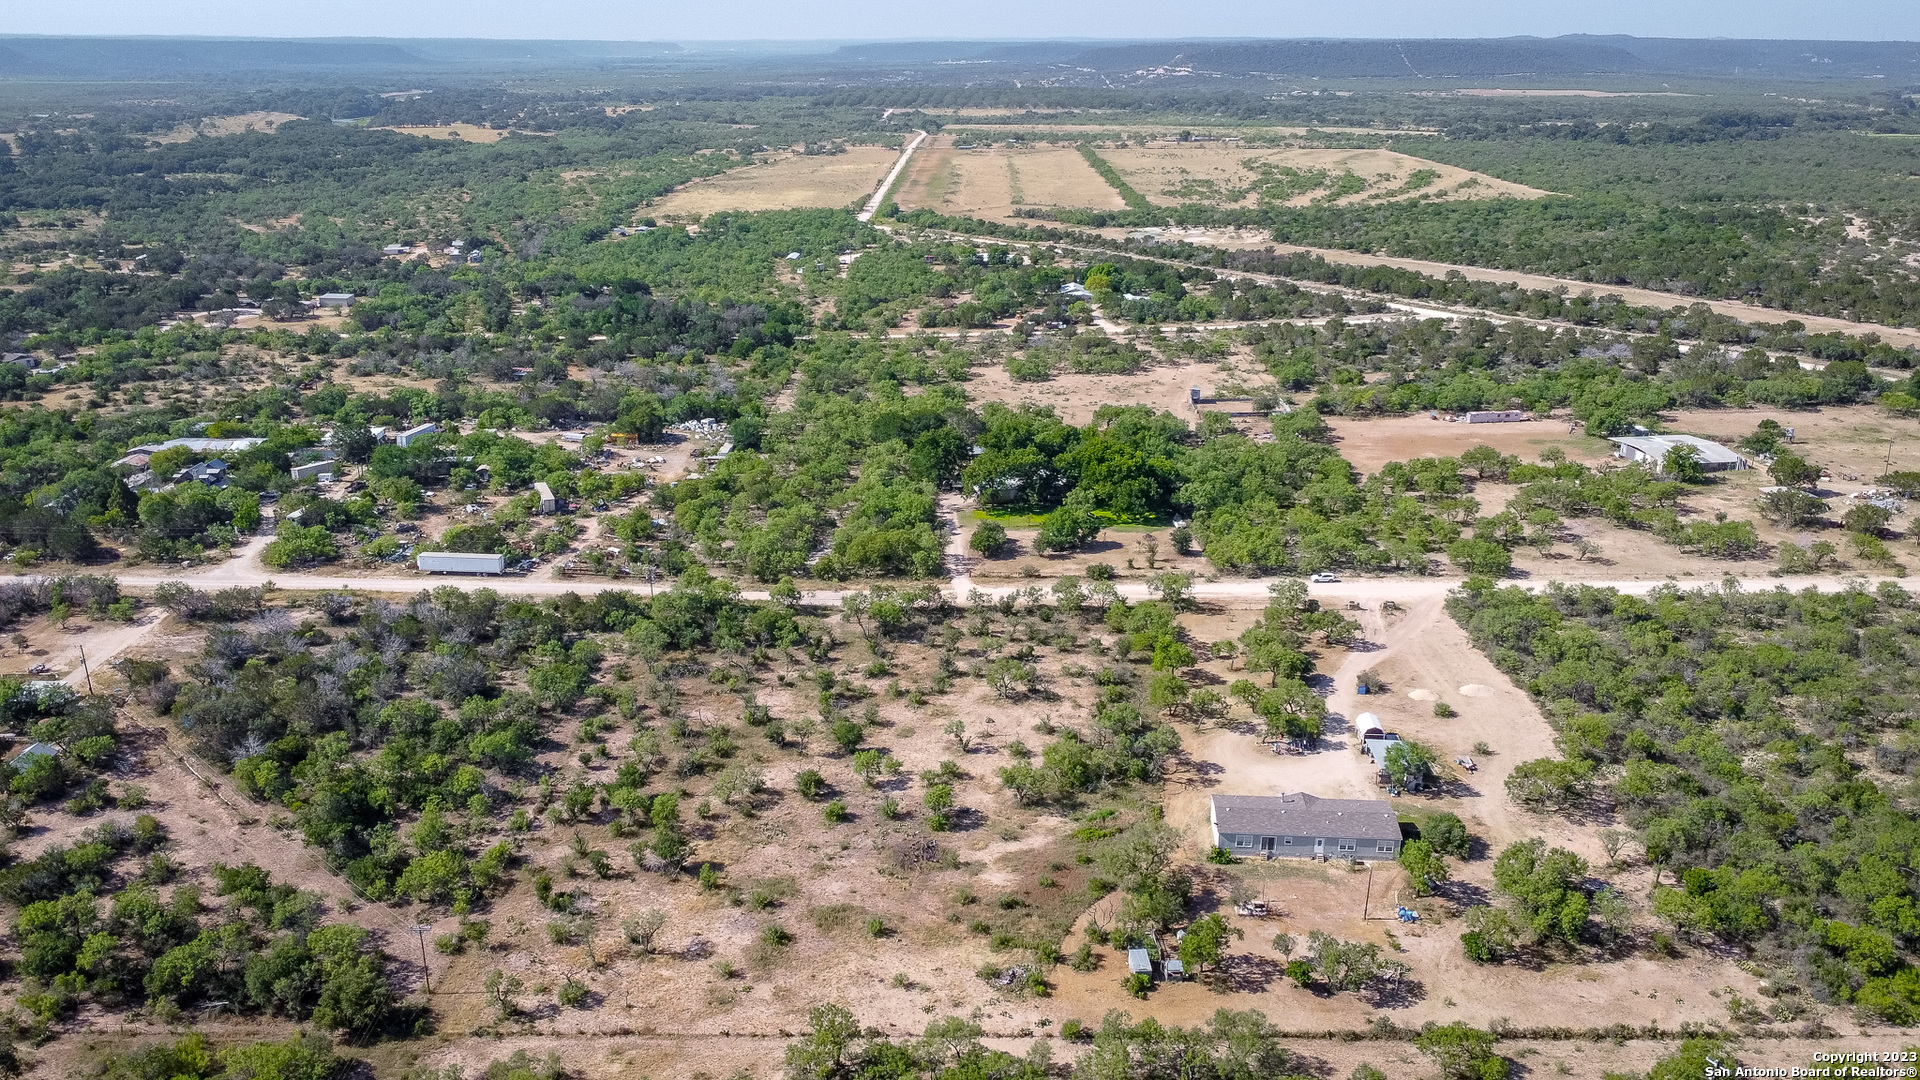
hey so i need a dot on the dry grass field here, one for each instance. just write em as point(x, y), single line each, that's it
point(466, 132)
point(992, 183)
point(1238, 176)
point(788, 182)
point(228, 125)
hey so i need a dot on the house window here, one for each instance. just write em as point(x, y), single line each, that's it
point(1243, 841)
point(1384, 847)
point(1348, 845)
point(1287, 840)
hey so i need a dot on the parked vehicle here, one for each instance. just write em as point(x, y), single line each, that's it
point(1466, 763)
point(1323, 578)
point(1254, 908)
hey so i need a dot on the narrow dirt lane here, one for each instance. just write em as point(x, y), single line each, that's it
point(880, 193)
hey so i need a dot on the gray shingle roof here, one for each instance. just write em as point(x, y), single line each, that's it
point(1300, 814)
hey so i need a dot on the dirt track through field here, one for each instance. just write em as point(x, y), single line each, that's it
point(1734, 309)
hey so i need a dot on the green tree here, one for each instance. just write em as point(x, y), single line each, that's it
point(1545, 887)
point(1425, 868)
point(1481, 557)
point(988, 538)
point(1205, 942)
point(1792, 470)
point(1682, 464)
point(1462, 1052)
point(1070, 527)
point(822, 1054)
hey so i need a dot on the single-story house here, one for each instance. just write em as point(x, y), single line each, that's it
point(334, 300)
point(314, 470)
point(23, 359)
point(1653, 449)
point(1305, 826)
point(1073, 290)
point(395, 249)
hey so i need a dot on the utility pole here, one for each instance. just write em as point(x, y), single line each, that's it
point(87, 670)
point(1367, 904)
point(426, 973)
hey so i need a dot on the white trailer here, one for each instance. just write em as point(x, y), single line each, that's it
point(460, 562)
point(1496, 416)
point(546, 497)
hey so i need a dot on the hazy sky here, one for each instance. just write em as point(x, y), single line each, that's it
point(891, 19)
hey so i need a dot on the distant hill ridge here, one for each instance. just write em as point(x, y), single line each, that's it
point(111, 58)
point(145, 57)
point(1432, 57)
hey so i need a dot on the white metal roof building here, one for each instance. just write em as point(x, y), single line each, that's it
point(1653, 449)
point(460, 562)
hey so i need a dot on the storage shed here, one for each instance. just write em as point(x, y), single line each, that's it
point(1139, 962)
point(314, 470)
point(460, 562)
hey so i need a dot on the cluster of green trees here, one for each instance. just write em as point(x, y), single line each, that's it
point(392, 733)
point(93, 925)
point(1735, 732)
point(1228, 1045)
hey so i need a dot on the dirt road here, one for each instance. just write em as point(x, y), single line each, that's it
point(873, 205)
point(246, 571)
point(1736, 309)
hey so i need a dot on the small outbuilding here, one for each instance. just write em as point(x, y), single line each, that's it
point(546, 497)
point(460, 562)
point(1140, 962)
point(334, 300)
point(314, 470)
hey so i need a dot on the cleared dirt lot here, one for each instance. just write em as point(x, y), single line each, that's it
point(789, 182)
point(1220, 175)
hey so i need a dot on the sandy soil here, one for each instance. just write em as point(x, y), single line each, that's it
point(1077, 397)
point(788, 182)
point(1159, 172)
point(1372, 442)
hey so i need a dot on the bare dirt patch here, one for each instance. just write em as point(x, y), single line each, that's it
point(1077, 397)
point(788, 182)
